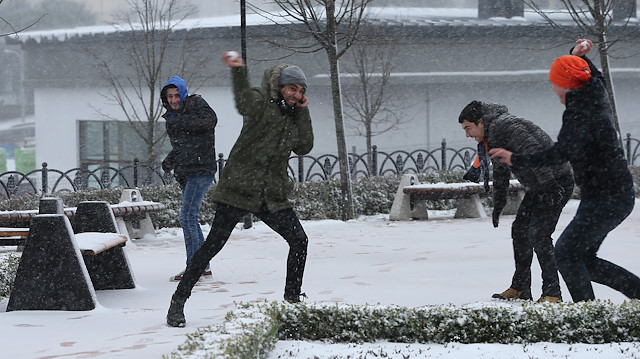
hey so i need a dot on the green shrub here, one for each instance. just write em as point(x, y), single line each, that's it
point(250, 325)
point(8, 268)
point(312, 200)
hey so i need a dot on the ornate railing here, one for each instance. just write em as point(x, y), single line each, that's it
point(301, 168)
point(324, 167)
point(632, 146)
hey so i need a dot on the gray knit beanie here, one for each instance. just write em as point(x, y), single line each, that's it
point(292, 75)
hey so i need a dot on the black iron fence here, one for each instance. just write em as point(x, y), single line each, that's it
point(301, 168)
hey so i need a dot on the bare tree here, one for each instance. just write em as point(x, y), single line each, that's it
point(594, 19)
point(334, 27)
point(373, 108)
point(13, 31)
point(154, 51)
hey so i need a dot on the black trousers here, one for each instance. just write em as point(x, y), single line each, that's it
point(284, 222)
point(531, 231)
point(577, 248)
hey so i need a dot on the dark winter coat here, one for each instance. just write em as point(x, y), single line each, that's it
point(191, 131)
point(588, 140)
point(504, 130)
point(256, 172)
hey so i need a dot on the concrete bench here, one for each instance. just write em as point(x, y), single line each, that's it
point(411, 198)
point(132, 216)
point(64, 262)
point(13, 236)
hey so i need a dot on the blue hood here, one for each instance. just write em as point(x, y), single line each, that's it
point(178, 82)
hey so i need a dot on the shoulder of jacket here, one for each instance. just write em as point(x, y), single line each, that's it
point(193, 97)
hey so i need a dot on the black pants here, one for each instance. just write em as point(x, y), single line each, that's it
point(531, 231)
point(284, 222)
point(577, 248)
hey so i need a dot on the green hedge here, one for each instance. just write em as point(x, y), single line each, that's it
point(252, 329)
point(8, 268)
point(312, 200)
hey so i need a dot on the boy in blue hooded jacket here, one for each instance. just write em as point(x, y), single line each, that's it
point(190, 124)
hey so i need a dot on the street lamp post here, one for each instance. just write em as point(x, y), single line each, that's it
point(21, 93)
point(243, 29)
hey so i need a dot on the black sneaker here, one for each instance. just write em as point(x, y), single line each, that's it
point(175, 316)
point(294, 298)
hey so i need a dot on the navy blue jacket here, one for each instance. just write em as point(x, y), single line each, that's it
point(589, 141)
point(191, 130)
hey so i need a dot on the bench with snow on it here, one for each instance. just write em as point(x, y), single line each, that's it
point(132, 217)
point(13, 236)
point(411, 197)
point(133, 214)
point(63, 263)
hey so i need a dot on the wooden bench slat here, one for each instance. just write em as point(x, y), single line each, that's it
point(92, 243)
point(119, 209)
point(14, 232)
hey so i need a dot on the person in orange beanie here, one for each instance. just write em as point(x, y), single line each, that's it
point(570, 72)
point(589, 141)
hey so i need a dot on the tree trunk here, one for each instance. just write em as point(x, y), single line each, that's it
point(369, 148)
point(343, 160)
point(606, 73)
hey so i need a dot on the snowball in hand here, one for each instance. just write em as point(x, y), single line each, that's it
point(232, 55)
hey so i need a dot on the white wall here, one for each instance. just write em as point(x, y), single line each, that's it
point(57, 112)
point(435, 108)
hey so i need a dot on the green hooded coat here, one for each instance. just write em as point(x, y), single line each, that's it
point(256, 172)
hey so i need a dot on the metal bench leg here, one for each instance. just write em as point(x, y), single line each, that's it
point(470, 208)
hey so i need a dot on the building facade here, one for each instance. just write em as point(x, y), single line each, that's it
point(444, 59)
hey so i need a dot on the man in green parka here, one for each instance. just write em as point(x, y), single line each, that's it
point(276, 121)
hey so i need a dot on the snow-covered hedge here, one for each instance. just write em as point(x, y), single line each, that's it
point(8, 268)
point(251, 329)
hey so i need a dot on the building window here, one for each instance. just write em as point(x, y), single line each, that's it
point(114, 144)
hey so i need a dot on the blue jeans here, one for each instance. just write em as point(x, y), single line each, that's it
point(195, 187)
point(576, 249)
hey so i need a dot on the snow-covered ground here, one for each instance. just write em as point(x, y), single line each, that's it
point(367, 261)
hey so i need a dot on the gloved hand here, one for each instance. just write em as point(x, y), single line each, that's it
point(496, 217)
point(552, 195)
point(473, 174)
point(166, 166)
point(499, 201)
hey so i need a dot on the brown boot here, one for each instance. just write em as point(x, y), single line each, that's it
point(549, 299)
point(511, 294)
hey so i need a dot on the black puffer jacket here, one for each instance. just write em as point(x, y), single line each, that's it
point(588, 141)
point(504, 130)
point(191, 130)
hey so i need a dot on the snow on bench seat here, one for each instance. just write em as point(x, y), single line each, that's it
point(410, 199)
point(92, 243)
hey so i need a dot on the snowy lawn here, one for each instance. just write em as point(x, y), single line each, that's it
point(368, 261)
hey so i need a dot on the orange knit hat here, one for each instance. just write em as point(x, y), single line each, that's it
point(570, 72)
